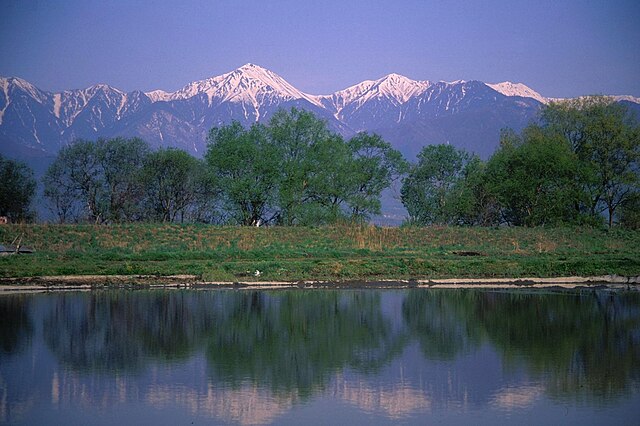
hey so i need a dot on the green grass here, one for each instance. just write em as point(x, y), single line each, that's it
point(336, 252)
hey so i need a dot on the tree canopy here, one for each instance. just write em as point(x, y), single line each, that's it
point(580, 164)
point(98, 181)
point(17, 188)
point(433, 188)
point(531, 178)
point(605, 137)
point(294, 171)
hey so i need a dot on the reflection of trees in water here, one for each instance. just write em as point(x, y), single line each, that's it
point(439, 320)
point(577, 344)
point(290, 340)
point(16, 328)
point(118, 330)
point(16, 334)
point(586, 344)
point(293, 341)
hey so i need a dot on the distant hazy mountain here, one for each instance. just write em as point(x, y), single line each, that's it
point(408, 113)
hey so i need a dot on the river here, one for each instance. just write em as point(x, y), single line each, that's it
point(370, 356)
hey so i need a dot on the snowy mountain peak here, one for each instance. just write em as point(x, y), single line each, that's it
point(508, 88)
point(399, 87)
point(250, 84)
point(250, 66)
point(24, 86)
point(395, 88)
point(103, 87)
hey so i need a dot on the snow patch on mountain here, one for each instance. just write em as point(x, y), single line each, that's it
point(5, 89)
point(616, 98)
point(57, 103)
point(628, 98)
point(121, 107)
point(159, 95)
point(508, 88)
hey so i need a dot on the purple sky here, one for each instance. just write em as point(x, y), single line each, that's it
point(560, 48)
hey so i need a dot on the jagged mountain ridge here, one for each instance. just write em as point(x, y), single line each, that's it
point(409, 113)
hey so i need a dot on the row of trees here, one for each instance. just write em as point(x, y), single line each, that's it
point(580, 164)
point(293, 171)
point(122, 180)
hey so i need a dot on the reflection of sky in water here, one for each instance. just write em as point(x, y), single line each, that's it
point(446, 366)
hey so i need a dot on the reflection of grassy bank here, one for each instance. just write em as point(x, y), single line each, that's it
point(337, 252)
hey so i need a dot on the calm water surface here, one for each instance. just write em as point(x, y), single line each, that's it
point(320, 357)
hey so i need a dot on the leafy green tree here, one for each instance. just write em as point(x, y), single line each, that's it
point(121, 161)
point(470, 201)
point(374, 166)
point(17, 188)
point(173, 181)
point(606, 139)
point(73, 183)
point(428, 190)
point(61, 193)
point(99, 181)
point(328, 182)
point(247, 168)
point(294, 133)
point(531, 177)
point(345, 179)
point(296, 172)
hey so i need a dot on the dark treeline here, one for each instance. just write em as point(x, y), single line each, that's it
point(578, 165)
point(293, 171)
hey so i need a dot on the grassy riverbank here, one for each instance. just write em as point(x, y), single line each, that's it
point(337, 252)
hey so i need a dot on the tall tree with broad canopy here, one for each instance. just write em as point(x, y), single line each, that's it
point(605, 136)
point(296, 172)
point(327, 184)
point(531, 177)
point(375, 165)
point(121, 161)
point(74, 184)
point(428, 190)
point(294, 133)
point(98, 180)
point(17, 188)
point(173, 182)
point(246, 167)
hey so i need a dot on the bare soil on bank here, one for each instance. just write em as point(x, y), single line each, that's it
point(97, 282)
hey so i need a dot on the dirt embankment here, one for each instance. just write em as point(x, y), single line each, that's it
point(95, 282)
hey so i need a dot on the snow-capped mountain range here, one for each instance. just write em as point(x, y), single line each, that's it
point(408, 113)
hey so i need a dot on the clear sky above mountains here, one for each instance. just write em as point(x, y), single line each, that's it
point(559, 48)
